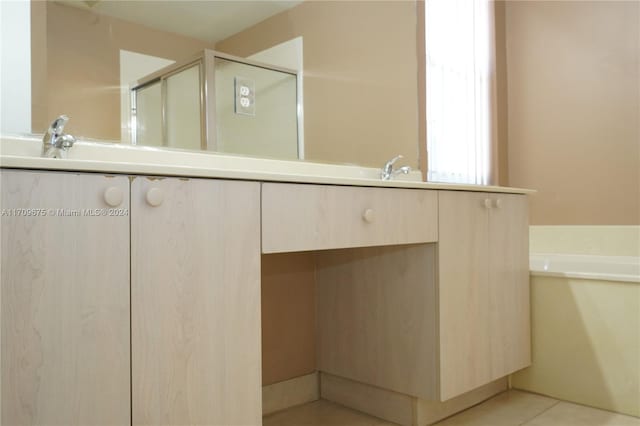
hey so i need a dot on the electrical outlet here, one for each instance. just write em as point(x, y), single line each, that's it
point(245, 96)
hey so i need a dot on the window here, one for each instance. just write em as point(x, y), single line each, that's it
point(460, 69)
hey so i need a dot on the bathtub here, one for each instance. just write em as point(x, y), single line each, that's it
point(585, 328)
point(607, 268)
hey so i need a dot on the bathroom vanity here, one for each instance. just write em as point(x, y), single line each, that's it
point(134, 297)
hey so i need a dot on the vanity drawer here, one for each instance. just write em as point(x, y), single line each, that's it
point(300, 217)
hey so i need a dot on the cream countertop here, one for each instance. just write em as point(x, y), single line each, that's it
point(24, 153)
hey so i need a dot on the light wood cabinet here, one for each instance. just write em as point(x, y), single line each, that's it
point(483, 288)
point(65, 299)
point(195, 302)
point(89, 340)
point(136, 300)
point(431, 320)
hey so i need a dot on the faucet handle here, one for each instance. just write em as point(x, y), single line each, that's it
point(57, 126)
point(393, 160)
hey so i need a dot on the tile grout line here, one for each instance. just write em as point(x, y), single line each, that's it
point(540, 413)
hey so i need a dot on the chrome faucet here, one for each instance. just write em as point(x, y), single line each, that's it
point(387, 172)
point(55, 142)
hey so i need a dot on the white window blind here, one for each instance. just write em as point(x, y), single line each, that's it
point(459, 71)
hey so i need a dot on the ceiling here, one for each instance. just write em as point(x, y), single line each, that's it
point(210, 20)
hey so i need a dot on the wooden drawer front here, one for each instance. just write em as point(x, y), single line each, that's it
point(299, 217)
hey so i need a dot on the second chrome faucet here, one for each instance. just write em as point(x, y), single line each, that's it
point(387, 172)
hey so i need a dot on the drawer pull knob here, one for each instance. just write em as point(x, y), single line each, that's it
point(155, 197)
point(369, 215)
point(487, 203)
point(498, 203)
point(113, 196)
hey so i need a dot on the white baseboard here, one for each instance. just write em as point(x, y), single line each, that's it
point(296, 391)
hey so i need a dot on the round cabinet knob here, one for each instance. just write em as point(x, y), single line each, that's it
point(113, 196)
point(155, 197)
point(498, 203)
point(368, 215)
point(487, 203)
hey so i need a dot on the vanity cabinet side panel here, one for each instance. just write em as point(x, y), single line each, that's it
point(509, 284)
point(195, 292)
point(64, 300)
point(376, 317)
point(464, 317)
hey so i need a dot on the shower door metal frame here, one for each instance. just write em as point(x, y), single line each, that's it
point(207, 61)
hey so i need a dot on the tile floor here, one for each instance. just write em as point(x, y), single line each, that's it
point(512, 408)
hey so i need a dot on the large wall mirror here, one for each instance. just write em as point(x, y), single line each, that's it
point(326, 81)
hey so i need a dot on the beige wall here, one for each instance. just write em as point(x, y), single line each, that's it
point(574, 109)
point(360, 76)
point(501, 169)
point(83, 66)
point(39, 109)
point(288, 316)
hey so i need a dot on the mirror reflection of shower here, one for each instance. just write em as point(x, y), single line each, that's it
point(222, 103)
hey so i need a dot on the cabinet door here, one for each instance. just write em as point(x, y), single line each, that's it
point(463, 297)
point(65, 299)
point(509, 284)
point(195, 294)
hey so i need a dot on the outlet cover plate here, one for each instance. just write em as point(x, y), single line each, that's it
point(245, 96)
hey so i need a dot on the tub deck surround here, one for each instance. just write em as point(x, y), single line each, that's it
point(24, 153)
point(587, 267)
point(407, 276)
point(585, 342)
point(585, 299)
